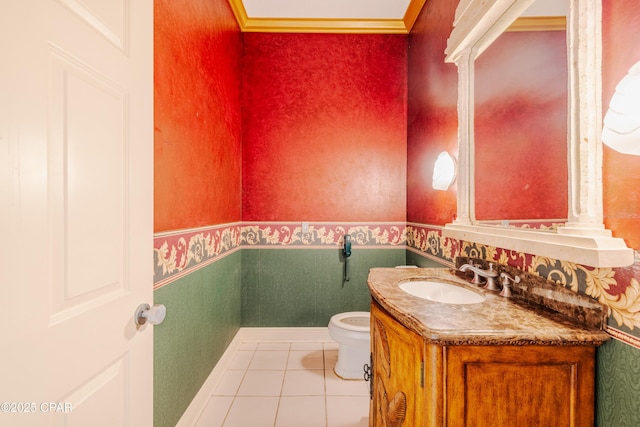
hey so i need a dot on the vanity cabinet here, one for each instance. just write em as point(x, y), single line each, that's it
point(419, 383)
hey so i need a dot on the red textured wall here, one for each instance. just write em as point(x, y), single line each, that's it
point(197, 152)
point(432, 114)
point(521, 127)
point(621, 172)
point(324, 127)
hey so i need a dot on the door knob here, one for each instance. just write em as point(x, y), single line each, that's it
point(154, 315)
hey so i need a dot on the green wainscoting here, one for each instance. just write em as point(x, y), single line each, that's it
point(618, 385)
point(203, 316)
point(305, 287)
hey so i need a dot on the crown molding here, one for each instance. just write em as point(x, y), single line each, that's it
point(413, 10)
point(324, 25)
point(539, 23)
point(348, 26)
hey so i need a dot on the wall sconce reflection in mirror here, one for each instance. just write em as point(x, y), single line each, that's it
point(444, 171)
point(621, 130)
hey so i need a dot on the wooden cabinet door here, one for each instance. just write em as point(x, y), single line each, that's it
point(520, 386)
point(398, 373)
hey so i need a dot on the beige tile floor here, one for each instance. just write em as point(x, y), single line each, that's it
point(287, 384)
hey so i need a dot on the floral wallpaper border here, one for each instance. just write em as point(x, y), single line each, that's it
point(178, 253)
point(618, 288)
point(319, 235)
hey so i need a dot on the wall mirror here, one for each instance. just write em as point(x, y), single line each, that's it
point(520, 115)
point(582, 238)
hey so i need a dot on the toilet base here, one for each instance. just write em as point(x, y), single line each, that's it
point(351, 361)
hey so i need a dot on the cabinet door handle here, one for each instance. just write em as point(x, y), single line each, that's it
point(368, 375)
point(367, 372)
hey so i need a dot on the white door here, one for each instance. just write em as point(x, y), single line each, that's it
point(76, 164)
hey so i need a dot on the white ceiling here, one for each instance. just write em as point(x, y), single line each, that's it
point(350, 9)
point(329, 16)
point(326, 9)
point(350, 16)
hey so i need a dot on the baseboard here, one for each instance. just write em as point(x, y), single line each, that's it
point(285, 334)
point(199, 402)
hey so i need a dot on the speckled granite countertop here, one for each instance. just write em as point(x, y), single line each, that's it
point(495, 321)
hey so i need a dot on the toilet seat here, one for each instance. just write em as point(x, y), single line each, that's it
point(357, 321)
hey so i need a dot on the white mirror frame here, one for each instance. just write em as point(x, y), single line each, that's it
point(583, 239)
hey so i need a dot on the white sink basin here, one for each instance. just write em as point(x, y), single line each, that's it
point(441, 292)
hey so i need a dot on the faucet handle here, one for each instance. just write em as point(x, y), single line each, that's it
point(506, 280)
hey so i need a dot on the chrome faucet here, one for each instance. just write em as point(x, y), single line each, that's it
point(490, 274)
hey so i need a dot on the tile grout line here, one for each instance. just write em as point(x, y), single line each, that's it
point(324, 375)
point(235, 394)
point(286, 362)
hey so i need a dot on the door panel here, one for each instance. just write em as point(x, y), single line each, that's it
point(76, 159)
point(87, 158)
point(109, 18)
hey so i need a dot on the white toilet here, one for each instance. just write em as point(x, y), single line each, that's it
point(351, 331)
